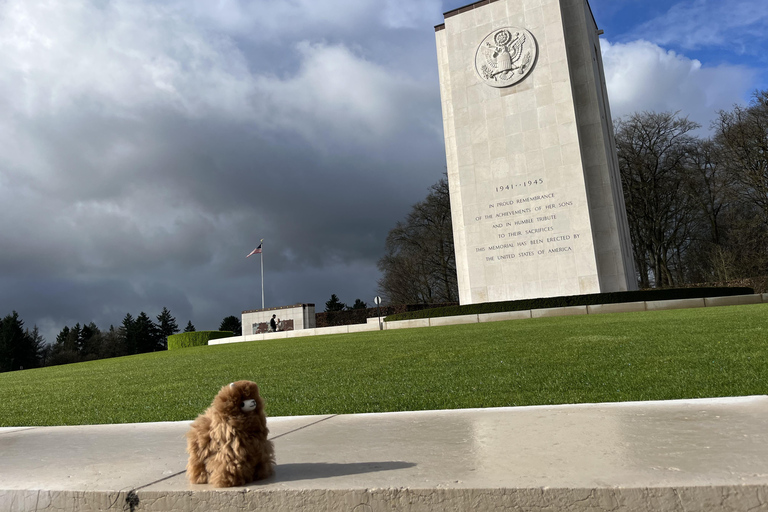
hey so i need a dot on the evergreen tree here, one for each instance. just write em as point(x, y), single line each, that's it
point(128, 338)
point(147, 334)
point(334, 304)
point(16, 348)
point(73, 343)
point(112, 344)
point(189, 327)
point(90, 341)
point(167, 326)
point(39, 347)
point(359, 305)
point(64, 350)
point(62, 337)
point(231, 323)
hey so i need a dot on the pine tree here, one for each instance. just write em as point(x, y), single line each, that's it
point(232, 324)
point(37, 345)
point(147, 334)
point(73, 343)
point(189, 327)
point(90, 341)
point(334, 304)
point(16, 350)
point(127, 334)
point(112, 344)
point(167, 326)
point(64, 350)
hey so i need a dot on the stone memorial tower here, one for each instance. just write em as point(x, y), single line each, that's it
point(536, 197)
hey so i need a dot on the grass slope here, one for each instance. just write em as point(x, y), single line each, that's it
point(602, 358)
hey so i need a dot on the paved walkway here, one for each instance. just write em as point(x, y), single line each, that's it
point(687, 455)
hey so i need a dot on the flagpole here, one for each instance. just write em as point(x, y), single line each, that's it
point(262, 275)
point(260, 252)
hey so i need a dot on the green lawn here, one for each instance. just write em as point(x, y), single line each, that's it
point(661, 355)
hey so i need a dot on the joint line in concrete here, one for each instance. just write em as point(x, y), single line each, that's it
point(132, 493)
point(17, 430)
point(305, 426)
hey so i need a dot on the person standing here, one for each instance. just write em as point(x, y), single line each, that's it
point(273, 324)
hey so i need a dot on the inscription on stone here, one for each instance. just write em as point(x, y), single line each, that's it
point(526, 231)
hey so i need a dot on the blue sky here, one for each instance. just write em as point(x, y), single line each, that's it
point(716, 32)
point(146, 146)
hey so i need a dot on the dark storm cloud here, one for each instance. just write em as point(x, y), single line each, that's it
point(147, 147)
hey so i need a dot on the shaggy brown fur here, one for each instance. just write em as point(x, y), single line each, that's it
point(227, 444)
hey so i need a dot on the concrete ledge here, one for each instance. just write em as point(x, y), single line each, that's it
point(681, 455)
point(765, 297)
point(298, 333)
point(336, 329)
point(657, 305)
point(407, 324)
point(722, 498)
point(504, 315)
point(565, 311)
point(453, 320)
point(366, 327)
point(734, 300)
point(623, 307)
point(224, 341)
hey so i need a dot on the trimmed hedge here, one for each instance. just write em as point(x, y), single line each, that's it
point(574, 300)
point(195, 338)
point(360, 316)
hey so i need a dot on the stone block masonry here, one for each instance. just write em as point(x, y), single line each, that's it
point(536, 197)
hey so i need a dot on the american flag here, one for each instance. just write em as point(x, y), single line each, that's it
point(256, 250)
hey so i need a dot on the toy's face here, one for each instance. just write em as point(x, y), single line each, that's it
point(240, 397)
point(248, 405)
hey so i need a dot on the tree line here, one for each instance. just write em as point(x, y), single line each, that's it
point(21, 348)
point(697, 208)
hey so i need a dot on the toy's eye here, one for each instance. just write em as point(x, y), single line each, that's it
point(242, 404)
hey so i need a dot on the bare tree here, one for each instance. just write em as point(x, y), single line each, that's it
point(655, 151)
point(742, 134)
point(420, 265)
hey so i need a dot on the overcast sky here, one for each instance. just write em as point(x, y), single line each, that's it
point(147, 146)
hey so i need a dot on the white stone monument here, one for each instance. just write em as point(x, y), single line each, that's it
point(536, 197)
point(288, 318)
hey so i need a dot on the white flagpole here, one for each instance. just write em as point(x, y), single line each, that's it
point(262, 273)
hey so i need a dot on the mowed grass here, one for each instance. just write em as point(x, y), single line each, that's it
point(602, 358)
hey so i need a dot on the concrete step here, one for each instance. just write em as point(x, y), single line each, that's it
point(692, 455)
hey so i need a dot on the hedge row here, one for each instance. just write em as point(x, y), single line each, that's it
point(361, 316)
point(574, 300)
point(195, 339)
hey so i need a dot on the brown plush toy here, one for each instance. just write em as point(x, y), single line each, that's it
point(228, 444)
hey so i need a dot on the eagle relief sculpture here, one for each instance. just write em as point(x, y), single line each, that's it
point(505, 56)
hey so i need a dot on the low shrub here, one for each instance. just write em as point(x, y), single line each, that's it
point(361, 316)
point(574, 300)
point(195, 338)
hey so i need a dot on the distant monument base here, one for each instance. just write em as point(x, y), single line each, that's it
point(536, 195)
point(289, 318)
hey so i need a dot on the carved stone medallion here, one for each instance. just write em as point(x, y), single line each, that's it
point(505, 56)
